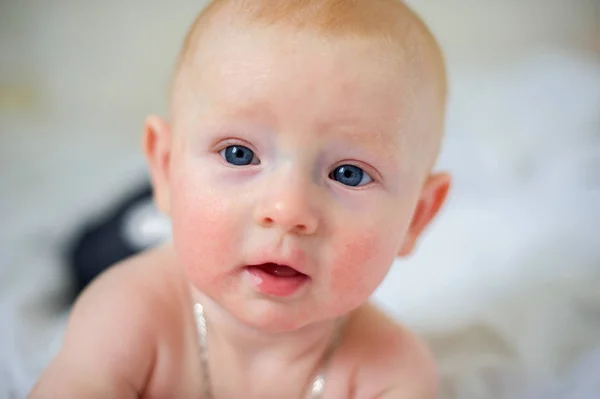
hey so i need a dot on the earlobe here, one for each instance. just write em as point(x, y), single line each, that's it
point(157, 148)
point(433, 196)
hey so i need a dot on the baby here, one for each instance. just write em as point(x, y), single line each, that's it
point(295, 165)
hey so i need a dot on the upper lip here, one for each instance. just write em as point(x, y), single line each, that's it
point(294, 259)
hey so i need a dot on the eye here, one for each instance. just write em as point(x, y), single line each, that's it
point(239, 155)
point(350, 175)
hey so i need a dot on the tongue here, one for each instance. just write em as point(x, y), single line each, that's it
point(279, 270)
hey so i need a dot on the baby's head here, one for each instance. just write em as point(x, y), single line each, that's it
point(297, 160)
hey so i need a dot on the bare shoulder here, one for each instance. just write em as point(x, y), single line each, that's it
point(391, 361)
point(109, 347)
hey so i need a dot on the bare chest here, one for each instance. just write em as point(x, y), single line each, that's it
point(179, 372)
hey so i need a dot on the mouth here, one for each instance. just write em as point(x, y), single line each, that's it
point(276, 270)
point(276, 280)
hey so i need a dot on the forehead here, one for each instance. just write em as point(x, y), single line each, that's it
point(300, 79)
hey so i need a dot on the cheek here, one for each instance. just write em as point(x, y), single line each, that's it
point(362, 259)
point(358, 268)
point(203, 229)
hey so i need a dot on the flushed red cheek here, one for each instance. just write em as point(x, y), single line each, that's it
point(359, 266)
point(203, 234)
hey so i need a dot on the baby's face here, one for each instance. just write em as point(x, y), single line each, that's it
point(291, 188)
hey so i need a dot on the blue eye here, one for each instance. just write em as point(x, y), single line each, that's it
point(350, 175)
point(239, 155)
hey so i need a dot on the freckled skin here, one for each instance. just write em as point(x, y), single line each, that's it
point(302, 118)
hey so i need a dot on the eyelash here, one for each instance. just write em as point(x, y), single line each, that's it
point(222, 146)
point(366, 169)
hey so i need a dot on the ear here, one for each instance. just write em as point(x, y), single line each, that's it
point(157, 148)
point(433, 196)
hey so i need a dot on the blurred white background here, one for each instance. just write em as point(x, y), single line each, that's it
point(505, 287)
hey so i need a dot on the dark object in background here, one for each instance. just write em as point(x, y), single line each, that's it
point(131, 226)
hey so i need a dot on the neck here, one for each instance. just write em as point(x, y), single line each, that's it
point(260, 355)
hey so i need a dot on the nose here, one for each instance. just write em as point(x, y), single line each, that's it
point(286, 204)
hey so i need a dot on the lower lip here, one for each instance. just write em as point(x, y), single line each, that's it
point(269, 284)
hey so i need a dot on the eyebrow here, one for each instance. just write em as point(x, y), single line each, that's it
point(365, 135)
point(362, 131)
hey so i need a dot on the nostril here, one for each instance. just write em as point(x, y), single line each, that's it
point(268, 221)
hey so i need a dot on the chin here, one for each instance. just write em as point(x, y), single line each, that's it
point(271, 317)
